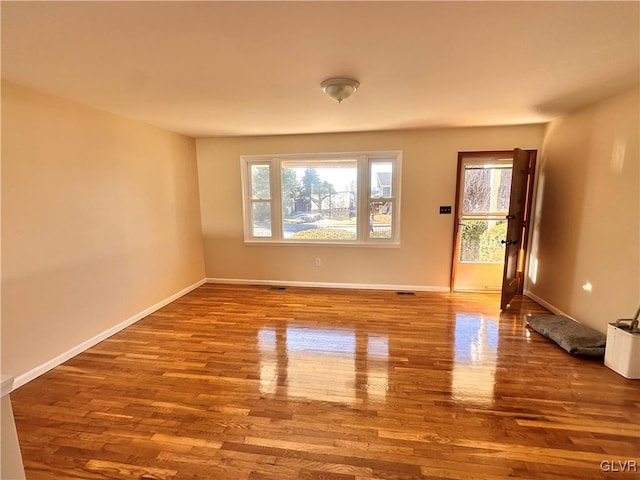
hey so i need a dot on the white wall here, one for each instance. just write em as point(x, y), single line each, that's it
point(587, 214)
point(428, 181)
point(100, 221)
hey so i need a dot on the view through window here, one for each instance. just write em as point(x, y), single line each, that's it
point(319, 200)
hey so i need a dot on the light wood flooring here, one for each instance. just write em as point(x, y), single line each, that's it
point(238, 382)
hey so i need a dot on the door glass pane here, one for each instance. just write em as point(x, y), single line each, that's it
point(261, 219)
point(260, 185)
point(486, 188)
point(480, 241)
point(380, 220)
point(381, 179)
point(319, 200)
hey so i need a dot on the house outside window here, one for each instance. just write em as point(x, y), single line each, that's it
point(333, 198)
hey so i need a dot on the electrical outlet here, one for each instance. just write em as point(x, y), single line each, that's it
point(318, 262)
point(445, 209)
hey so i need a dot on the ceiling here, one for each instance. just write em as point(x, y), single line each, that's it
point(255, 68)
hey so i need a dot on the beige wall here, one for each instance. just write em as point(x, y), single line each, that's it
point(100, 221)
point(428, 181)
point(587, 215)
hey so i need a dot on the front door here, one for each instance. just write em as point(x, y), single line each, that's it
point(484, 184)
point(493, 202)
point(515, 241)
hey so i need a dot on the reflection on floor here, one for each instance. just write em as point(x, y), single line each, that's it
point(475, 359)
point(320, 364)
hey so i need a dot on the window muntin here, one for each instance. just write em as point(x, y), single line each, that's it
point(322, 198)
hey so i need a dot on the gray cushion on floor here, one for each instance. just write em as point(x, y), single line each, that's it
point(575, 338)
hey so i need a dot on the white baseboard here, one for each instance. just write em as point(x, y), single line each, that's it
point(360, 286)
point(54, 362)
point(552, 308)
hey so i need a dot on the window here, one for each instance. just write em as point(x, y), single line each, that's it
point(485, 204)
point(322, 198)
point(260, 200)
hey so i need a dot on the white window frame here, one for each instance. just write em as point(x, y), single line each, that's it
point(253, 201)
point(364, 160)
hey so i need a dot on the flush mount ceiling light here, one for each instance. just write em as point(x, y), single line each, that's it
point(339, 88)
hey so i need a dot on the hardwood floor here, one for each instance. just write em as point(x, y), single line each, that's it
point(234, 382)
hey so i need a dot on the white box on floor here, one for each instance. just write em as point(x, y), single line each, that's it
point(622, 353)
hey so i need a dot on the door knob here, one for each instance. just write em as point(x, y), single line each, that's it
point(510, 217)
point(508, 242)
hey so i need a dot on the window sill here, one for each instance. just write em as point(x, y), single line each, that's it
point(285, 243)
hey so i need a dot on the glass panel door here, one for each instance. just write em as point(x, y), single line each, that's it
point(485, 185)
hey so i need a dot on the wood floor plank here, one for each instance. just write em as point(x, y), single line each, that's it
point(247, 383)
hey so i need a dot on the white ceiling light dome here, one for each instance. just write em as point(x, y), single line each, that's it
point(339, 88)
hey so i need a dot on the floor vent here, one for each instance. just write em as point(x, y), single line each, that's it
point(405, 293)
point(277, 288)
